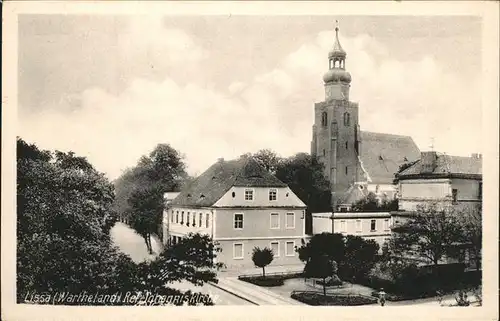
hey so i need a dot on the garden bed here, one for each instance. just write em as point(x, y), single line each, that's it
point(269, 280)
point(319, 299)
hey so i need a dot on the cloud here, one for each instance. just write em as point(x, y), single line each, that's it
point(272, 110)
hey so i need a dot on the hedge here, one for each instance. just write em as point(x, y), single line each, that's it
point(423, 283)
point(317, 299)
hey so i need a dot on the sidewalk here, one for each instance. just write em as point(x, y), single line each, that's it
point(448, 300)
point(253, 293)
point(258, 271)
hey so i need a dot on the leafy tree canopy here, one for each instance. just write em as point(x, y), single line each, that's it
point(63, 244)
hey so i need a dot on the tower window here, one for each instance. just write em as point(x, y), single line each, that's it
point(331, 63)
point(346, 145)
point(324, 119)
point(347, 119)
point(346, 171)
point(324, 152)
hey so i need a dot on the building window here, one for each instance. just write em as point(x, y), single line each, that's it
point(238, 251)
point(373, 226)
point(290, 248)
point(454, 194)
point(172, 216)
point(480, 191)
point(233, 194)
point(275, 221)
point(343, 226)
point(386, 225)
point(201, 219)
point(182, 217)
point(248, 195)
point(346, 145)
point(273, 194)
point(238, 221)
point(346, 170)
point(324, 152)
point(290, 220)
point(194, 219)
point(275, 246)
point(347, 119)
point(324, 119)
point(358, 226)
point(187, 219)
point(177, 217)
point(343, 209)
point(207, 220)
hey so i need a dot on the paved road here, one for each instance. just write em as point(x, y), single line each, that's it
point(133, 244)
point(219, 296)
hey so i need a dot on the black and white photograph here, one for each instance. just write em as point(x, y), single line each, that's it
point(266, 158)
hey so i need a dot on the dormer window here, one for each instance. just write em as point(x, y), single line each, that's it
point(273, 194)
point(380, 157)
point(249, 195)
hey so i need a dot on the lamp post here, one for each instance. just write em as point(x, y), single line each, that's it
point(333, 212)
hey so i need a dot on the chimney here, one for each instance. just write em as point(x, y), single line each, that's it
point(476, 156)
point(428, 161)
point(220, 160)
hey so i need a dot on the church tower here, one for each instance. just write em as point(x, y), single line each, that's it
point(336, 137)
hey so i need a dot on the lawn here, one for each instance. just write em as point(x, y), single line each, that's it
point(298, 284)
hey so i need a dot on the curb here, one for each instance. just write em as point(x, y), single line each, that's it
point(231, 292)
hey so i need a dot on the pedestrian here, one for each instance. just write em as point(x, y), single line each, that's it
point(381, 296)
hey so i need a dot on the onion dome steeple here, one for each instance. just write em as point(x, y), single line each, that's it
point(336, 60)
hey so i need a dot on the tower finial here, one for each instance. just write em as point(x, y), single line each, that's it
point(337, 27)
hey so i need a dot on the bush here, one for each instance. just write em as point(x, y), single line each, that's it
point(267, 281)
point(331, 281)
point(317, 299)
point(412, 282)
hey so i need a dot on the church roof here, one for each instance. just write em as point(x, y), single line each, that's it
point(353, 194)
point(382, 154)
point(447, 164)
point(210, 186)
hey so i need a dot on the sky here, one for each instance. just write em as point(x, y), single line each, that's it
point(112, 87)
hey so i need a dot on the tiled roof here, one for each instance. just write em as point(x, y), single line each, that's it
point(353, 194)
point(446, 164)
point(382, 154)
point(210, 186)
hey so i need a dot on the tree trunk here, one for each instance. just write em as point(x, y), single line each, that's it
point(264, 271)
point(150, 246)
point(324, 287)
point(148, 243)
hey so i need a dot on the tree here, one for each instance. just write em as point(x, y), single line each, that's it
point(322, 267)
point(368, 204)
point(63, 242)
point(146, 207)
point(431, 233)
point(354, 255)
point(262, 258)
point(471, 231)
point(63, 221)
point(305, 176)
point(331, 245)
point(360, 257)
point(161, 171)
point(269, 159)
